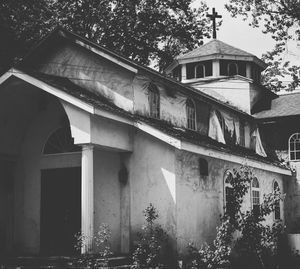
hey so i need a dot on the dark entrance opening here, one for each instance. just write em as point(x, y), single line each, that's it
point(60, 210)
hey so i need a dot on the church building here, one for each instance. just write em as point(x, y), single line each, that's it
point(90, 137)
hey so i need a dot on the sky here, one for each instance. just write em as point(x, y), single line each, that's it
point(236, 32)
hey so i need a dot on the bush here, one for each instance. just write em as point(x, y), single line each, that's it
point(101, 241)
point(150, 252)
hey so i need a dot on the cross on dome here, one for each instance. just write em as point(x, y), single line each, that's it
point(213, 17)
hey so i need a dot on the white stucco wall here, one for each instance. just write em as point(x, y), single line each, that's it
point(236, 91)
point(152, 180)
point(107, 190)
point(200, 199)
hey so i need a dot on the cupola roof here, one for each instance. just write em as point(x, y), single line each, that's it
point(216, 49)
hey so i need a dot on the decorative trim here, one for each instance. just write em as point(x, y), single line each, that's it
point(106, 56)
point(50, 89)
point(234, 158)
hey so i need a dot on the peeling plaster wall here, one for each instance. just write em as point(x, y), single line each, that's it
point(200, 199)
point(172, 108)
point(152, 180)
point(94, 73)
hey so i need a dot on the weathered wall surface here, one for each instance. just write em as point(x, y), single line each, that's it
point(237, 92)
point(107, 194)
point(200, 199)
point(172, 108)
point(152, 180)
point(91, 72)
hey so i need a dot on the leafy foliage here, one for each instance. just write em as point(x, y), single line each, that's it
point(216, 256)
point(143, 30)
point(281, 19)
point(243, 234)
point(149, 253)
point(102, 243)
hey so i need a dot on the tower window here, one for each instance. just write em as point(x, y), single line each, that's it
point(191, 114)
point(294, 147)
point(200, 71)
point(154, 101)
point(232, 69)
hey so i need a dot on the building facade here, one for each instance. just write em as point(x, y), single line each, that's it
point(90, 137)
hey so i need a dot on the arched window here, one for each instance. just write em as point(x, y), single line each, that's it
point(294, 147)
point(191, 114)
point(154, 101)
point(277, 204)
point(200, 71)
point(203, 167)
point(232, 69)
point(255, 196)
point(60, 141)
point(228, 192)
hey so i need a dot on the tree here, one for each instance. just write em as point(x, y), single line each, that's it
point(281, 19)
point(144, 30)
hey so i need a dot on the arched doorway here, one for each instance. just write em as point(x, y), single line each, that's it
point(60, 194)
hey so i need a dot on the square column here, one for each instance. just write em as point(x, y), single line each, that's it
point(87, 197)
point(216, 68)
point(183, 73)
point(248, 70)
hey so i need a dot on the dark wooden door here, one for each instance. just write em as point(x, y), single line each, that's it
point(60, 210)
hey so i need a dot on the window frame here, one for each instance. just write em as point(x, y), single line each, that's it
point(242, 125)
point(65, 145)
point(295, 159)
point(203, 70)
point(256, 190)
point(154, 101)
point(191, 123)
point(236, 68)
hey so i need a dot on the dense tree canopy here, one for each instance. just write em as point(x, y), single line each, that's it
point(144, 30)
point(281, 19)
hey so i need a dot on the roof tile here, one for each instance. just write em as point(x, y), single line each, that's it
point(284, 105)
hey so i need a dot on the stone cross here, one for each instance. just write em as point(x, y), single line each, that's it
point(213, 17)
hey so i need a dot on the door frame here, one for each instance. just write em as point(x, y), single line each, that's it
point(56, 161)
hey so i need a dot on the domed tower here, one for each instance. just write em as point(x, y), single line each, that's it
point(224, 72)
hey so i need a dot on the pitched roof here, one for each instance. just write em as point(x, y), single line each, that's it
point(284, 105)
point(59, 32)
point(215, 49)
point(214, 46)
